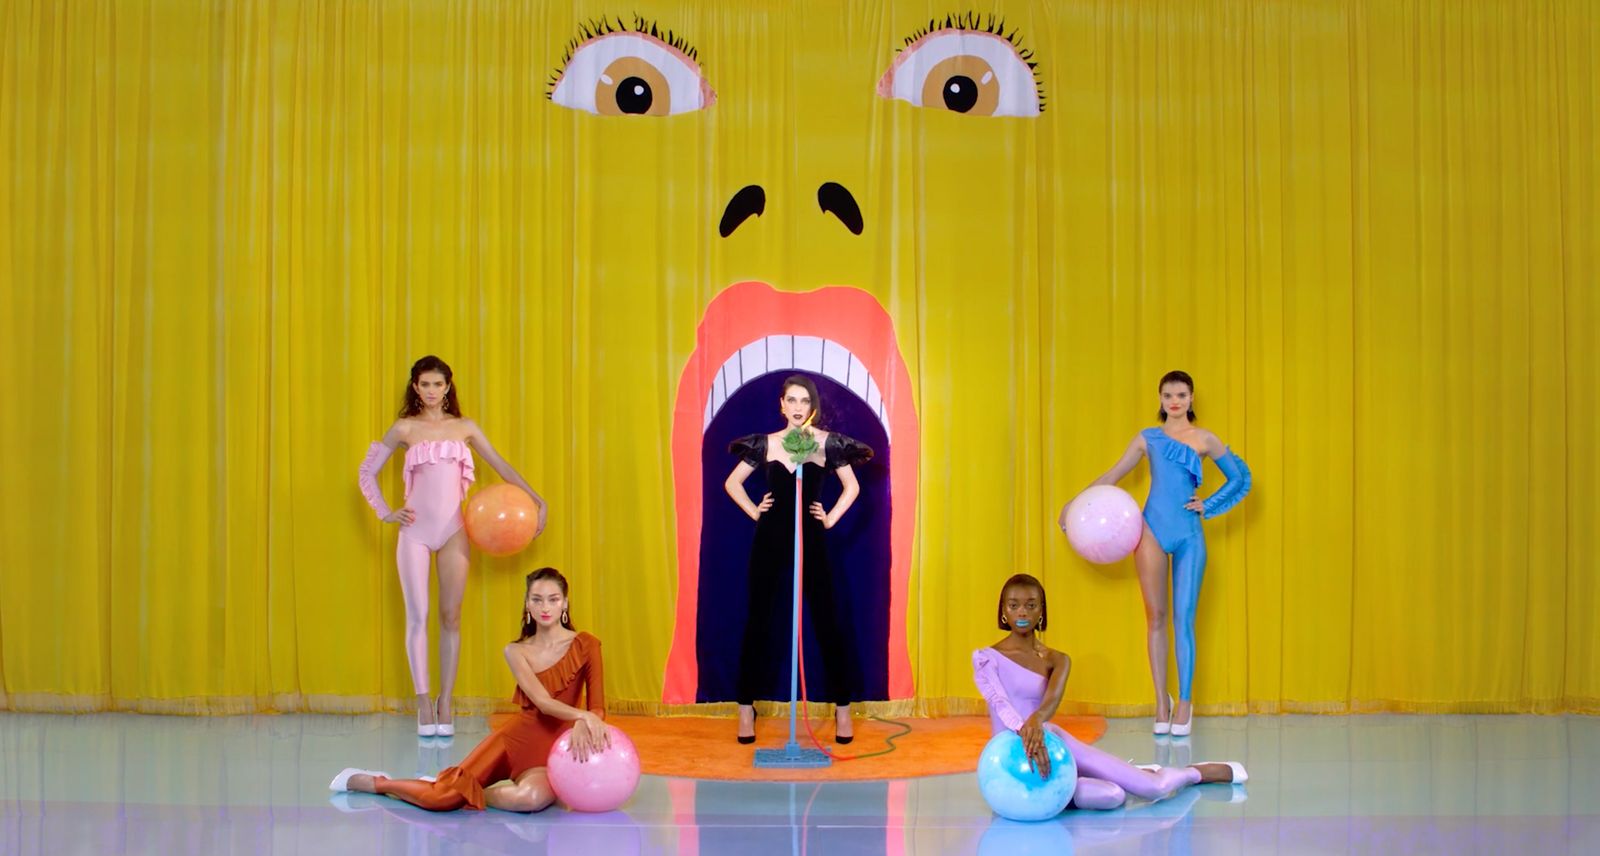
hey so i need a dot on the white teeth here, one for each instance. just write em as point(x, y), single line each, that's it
point(836, 361)
point(858, 378)
point(780, 352)
point(783, 352)
point(752, 361)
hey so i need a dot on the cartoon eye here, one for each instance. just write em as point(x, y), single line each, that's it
point(623, 72)
point(965, 71)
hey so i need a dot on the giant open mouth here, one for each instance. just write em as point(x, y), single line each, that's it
point(750, 334)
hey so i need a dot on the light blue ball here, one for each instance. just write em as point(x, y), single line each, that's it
point(1016, 791)
point(1011, 838)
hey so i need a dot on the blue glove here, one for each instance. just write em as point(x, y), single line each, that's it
point(1233, 490)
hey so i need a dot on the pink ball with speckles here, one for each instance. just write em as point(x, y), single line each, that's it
point(1104, 524)
point(603, 781)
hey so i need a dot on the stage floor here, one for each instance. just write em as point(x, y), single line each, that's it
point(1367, 784)
point(704, 748)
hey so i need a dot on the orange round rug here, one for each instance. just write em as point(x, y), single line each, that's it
point(704, 748)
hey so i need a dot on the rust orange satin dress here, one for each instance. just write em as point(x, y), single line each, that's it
point(519, 744)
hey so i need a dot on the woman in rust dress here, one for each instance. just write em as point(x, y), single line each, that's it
point(559, 681)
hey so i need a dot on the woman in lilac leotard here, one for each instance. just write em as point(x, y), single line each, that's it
point(1172, 518)
point(1022, 681)
point(438, 468)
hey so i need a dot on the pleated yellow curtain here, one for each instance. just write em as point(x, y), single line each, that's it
point(1368, 229)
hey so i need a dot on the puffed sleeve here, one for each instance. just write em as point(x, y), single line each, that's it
point(751, 448)
point(842, 451)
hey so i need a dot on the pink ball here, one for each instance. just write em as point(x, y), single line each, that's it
point(602, 783)
point(1104, 524)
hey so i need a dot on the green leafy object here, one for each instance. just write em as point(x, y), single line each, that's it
point(800, 444)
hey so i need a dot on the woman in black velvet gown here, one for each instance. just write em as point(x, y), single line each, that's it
point(766, 636)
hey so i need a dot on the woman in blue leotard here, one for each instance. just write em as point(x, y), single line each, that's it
point(1172, 517)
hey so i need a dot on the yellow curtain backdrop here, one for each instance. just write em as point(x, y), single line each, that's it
point(1369, 229)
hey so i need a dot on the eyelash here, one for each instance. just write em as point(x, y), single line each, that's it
point(603, 26)
point(994, 25)
point(600, 26)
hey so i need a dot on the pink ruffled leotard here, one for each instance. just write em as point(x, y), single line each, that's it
point(437, 474)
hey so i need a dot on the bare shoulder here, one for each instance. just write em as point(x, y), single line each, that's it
point(468, 428)
point(401, 430)
point(1212, 443)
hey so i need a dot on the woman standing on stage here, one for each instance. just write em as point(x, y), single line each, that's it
point(438, 468)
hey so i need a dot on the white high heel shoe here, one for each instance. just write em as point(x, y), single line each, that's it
point(1240, 776)
point(1165, 727)
point(445, 729)
point(1182, 729)
point(341, 782)
point(428, 730)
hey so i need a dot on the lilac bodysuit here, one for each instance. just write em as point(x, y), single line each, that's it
point(1013, 692)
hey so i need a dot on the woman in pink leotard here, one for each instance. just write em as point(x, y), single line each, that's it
point(438, 468)
point(1019, 673)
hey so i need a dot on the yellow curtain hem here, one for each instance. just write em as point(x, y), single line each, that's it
point(929, 708)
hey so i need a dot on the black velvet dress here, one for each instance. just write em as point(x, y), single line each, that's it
point(765, 656)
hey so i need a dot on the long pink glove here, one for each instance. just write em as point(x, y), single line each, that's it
point(377, 456)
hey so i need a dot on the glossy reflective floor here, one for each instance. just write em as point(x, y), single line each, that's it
point(1367, 784)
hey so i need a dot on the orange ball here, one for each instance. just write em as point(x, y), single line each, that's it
point(501, 519)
